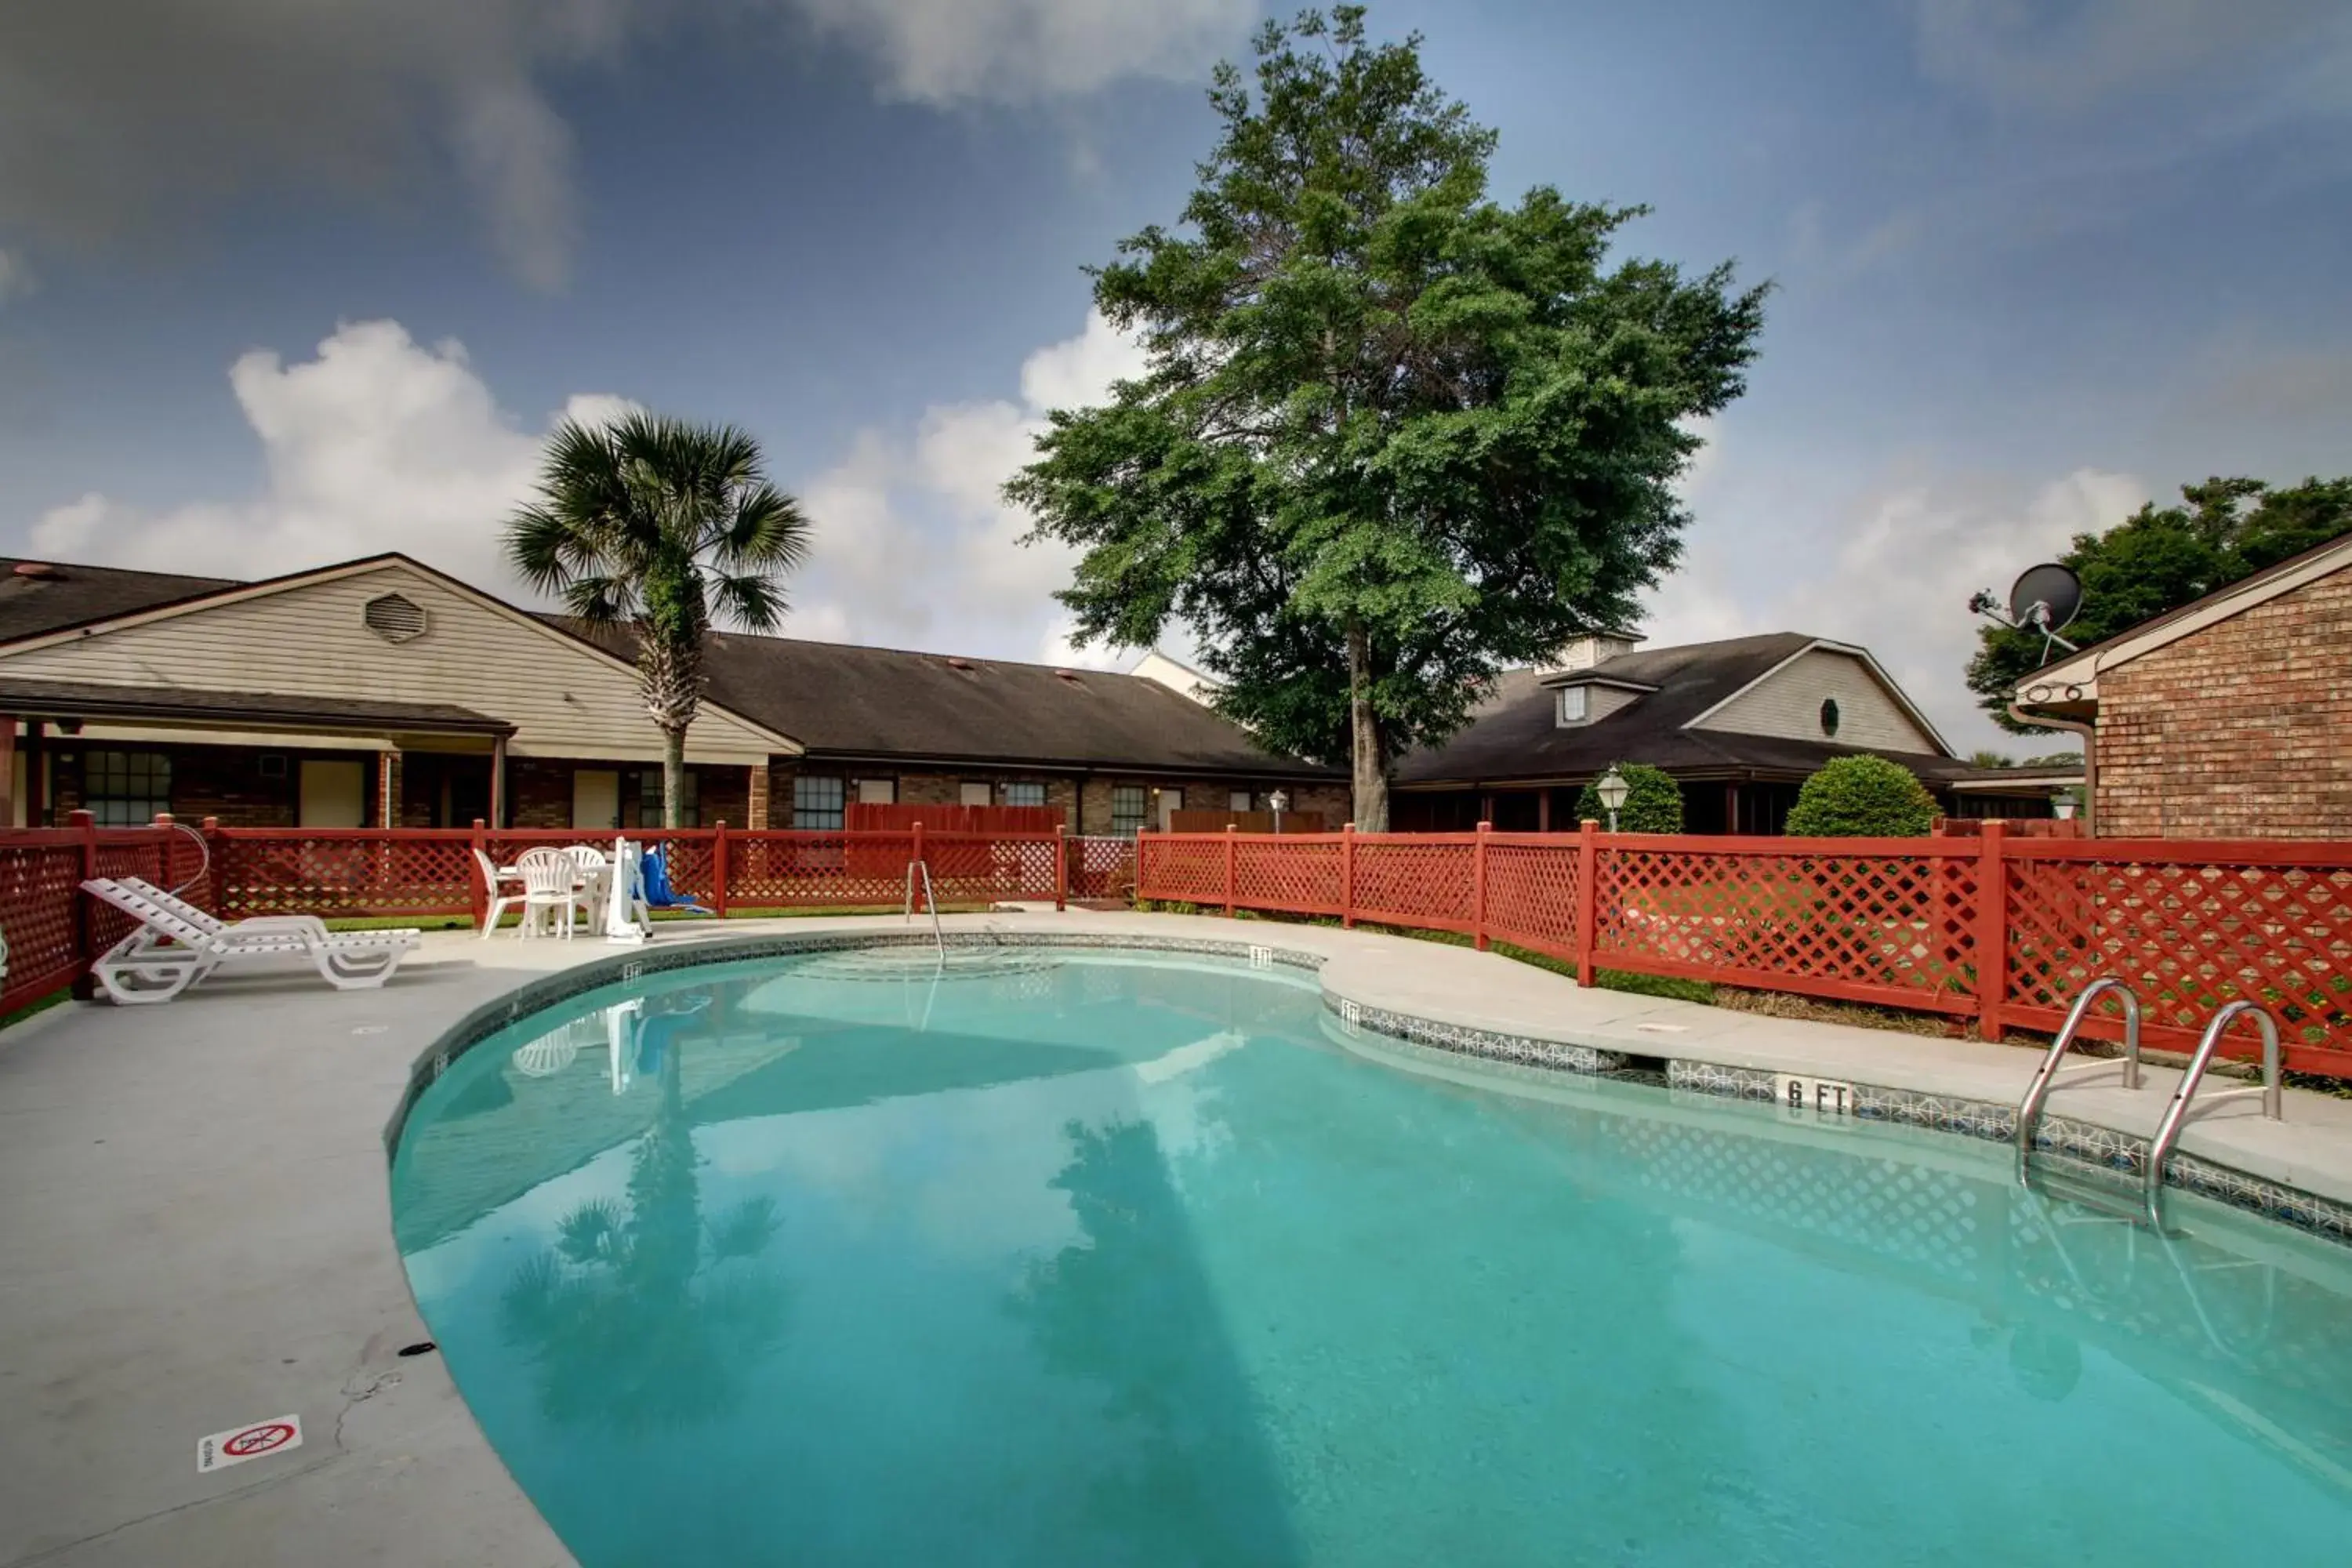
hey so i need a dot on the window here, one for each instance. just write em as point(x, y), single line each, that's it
point(126, 789)
point(649, 800)
point(878, 791)
point(1128, 804)
point(1025, 795)
point(1572, 700)
point(816, 804)
point(972, 795)
point(1237, 800)
point(1829, 717)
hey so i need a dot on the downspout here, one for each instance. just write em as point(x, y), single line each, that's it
point(2090, 759)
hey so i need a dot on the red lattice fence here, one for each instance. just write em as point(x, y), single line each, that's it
point(1981, 927)
point(52, 930)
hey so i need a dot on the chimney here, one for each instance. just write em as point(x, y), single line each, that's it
point(1584, 652)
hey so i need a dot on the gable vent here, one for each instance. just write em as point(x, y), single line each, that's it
point(394, 619)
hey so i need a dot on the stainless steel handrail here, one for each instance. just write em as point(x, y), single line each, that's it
point(2028, 1109)
point(931, 903)
point(2167, 1132)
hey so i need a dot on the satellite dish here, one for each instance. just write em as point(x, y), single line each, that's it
point(2046, 598)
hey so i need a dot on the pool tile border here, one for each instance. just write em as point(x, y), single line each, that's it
point(2102, 1146)
point(1985, 1120)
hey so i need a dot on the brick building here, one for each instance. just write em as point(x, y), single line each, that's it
point(2227, 717)
point(382, 692)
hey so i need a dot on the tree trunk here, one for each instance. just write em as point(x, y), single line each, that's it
point(673, 776)
point(1371, 781)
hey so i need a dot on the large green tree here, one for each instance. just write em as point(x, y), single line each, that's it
point(2161, 558)
point(1393, 436)
point(651, 524)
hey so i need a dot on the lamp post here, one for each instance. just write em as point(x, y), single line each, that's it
point(1280, 803)
point(1612, 789)
point(2064, 806)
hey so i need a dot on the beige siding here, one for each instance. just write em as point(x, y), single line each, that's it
point(1788, 703)
point(565, 699)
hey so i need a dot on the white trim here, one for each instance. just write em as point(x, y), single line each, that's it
point(784, 744)
point(1878, 672)
point(1563, 679)
point(2236, 599)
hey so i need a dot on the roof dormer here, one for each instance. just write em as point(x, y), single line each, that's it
point(1583, 698)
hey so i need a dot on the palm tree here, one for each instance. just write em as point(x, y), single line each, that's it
point(652, 524)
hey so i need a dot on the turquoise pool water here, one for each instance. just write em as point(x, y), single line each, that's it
point(1108, 1260)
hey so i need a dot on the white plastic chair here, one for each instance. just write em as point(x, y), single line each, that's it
point(594, 868)
point(505, 889)
point(550, 882)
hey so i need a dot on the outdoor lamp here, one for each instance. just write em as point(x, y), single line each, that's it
point(2063, 807)
point(1612, 789)
point(1280, 803)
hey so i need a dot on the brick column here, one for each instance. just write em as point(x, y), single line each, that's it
point(755, 815)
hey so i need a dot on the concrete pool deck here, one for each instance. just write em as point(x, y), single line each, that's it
point(195, 1229)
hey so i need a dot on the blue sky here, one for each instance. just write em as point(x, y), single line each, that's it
point(276, 291)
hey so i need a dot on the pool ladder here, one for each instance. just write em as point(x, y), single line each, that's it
point(922, 870)
point(2176, 1115)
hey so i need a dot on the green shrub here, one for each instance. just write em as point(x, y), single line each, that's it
point(1655, 804)
point(1862, 797)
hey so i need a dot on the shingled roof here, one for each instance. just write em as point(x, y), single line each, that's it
point(850, 703)
point(38, 596)
point(1515, 734)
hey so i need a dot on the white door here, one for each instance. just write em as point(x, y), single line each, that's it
point(1172, 801)
point(334, 793)
point(595, 798)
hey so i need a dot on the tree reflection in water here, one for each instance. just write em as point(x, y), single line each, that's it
point(1186, 1476)
point(641, 1317)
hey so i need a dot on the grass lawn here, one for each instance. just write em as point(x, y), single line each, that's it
point(30, 1008)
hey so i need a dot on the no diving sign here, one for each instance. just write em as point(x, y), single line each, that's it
point(257, 1441)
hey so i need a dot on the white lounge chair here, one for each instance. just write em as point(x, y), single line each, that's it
point(249, 929)
point(169, 953)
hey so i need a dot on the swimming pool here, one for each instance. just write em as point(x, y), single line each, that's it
point(1103, 1257)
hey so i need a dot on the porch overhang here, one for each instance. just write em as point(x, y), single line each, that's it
point(219, 716)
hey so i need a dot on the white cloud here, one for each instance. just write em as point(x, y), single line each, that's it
point(955, 51)
point(914, 541)
point(1896, 575)
point(2061, 58)
point(17, 279)
point(378, 442)
point(119, 118)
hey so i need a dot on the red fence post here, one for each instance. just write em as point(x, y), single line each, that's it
point(1992, 930)
point(1232, 838)
point(1588, 897)
point(1478, 887)
point(85, 940)
point(719, 871)
point(1060, 867)
point(474, 876)
point(1348, 875)
point(926, 870)
point(162, 825)
point(216, 866)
